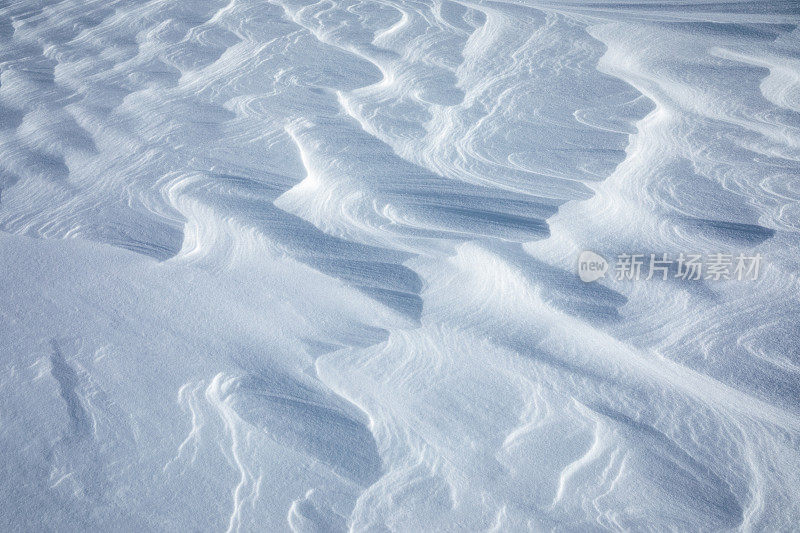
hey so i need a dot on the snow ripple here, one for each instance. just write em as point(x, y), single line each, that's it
point(310, 265)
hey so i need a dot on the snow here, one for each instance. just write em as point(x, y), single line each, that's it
point(311, 266)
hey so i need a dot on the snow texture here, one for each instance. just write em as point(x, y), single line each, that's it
point(311, 265)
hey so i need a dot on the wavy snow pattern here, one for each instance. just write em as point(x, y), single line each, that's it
point(310, 265)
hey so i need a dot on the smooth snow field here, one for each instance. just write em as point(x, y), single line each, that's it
point(299, 265)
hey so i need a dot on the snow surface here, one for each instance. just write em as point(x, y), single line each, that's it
point(287, 264)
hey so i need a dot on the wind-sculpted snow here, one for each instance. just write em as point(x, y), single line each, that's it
point(311, 266)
